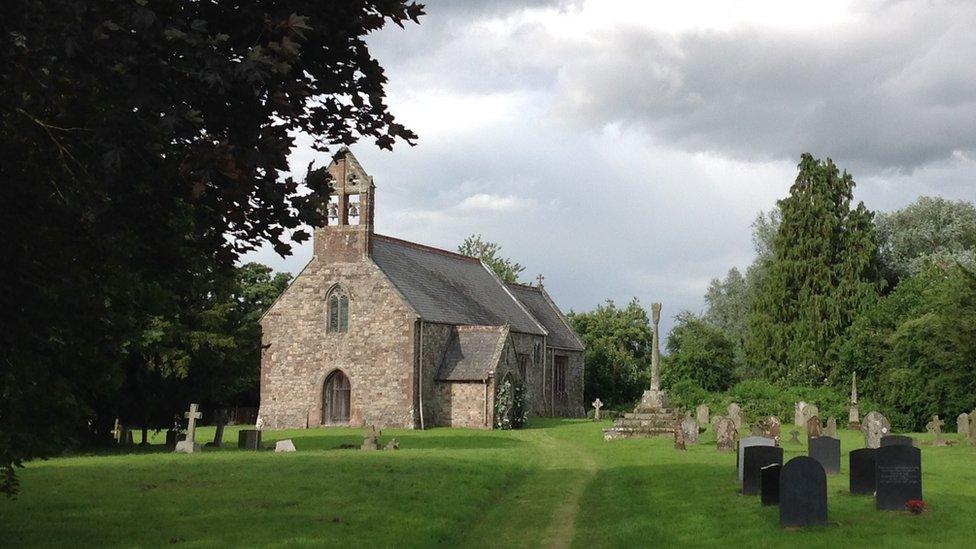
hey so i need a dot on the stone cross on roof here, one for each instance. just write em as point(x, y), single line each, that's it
point(540, 278)
point(191, 425)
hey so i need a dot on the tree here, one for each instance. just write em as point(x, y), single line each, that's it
point(929, 229)
point(698, 352)
point(145, 145)
point(489, 252)
point(823, 271)
point(618, 352)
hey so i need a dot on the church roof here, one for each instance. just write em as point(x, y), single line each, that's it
point(450, 288)
point(472, 353)
point(538, 302)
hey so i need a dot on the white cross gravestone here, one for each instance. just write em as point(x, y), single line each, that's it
point(117, 431)
point(597, 404)
point(189, 445)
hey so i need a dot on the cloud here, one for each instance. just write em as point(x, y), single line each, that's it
point(483, 202)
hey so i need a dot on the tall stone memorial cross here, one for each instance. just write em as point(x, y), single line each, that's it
point(854, 414)
point(597, 404)
point(655, 349)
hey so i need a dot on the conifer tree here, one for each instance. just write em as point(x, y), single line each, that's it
point(823, 270)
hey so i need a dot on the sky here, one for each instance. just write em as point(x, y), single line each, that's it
point(623, 148)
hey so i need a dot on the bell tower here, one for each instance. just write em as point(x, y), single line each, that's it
point(348, 233)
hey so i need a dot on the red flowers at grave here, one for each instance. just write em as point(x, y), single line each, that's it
point(915, 506)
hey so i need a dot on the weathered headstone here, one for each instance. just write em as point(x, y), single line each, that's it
point(283, 446)
point(831, 429)
point(769, 483)
point(735, 414)
point(813, 427)
point(220, 418)
point(770, 427)
point(809, 411)
point(747, 443)
point(689, 428)
point(249, 439)
point(826, 450)
point(899, 476)
point(172, 437)
point(897, 440)
point(701, 414)
point(371, 438)
point(679, 436)
point(862, 471)
point(394, 444)
point(755, 458)
point(799, 418)
point(962, 424)
point(934, 428)
point(802, 493)
point(189, 445)
point(597, 404)
point(795, 436)
point(724, 434)
point(873, 427)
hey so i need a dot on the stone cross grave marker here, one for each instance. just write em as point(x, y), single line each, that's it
point(796, 436)
point(597, 404)
point(873, 427)
point(862, 471)
point(189, 445)
point(934, 428)
point(757, 457)
point(899, 470)
point(746, 443)
point(826, 450)
point(962, 424)
point(802, 493)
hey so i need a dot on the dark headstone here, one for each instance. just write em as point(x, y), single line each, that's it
point(249, 439)
point(769, 484)
point(899, 475)
point(802, 493)
point(897, 440)
point(757, 457)
point(862, 471)
point(826, 450)
point(172, 437)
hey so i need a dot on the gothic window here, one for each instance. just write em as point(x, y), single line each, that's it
point(537, 352)
point(523, 366)
point(559, 375)
point(338, 310)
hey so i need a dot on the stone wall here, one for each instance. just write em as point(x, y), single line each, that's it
point(437, 395)
point(571, 403)
point(461, 404)
point(377, 352)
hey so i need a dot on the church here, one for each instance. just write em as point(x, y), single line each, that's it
point(377, 330)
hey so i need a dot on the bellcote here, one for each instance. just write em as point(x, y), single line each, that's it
point(348, 232)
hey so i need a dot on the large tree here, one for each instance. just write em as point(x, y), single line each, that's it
point(700, 352)
point(144, 145)
point(823, 271)
point(490, 253)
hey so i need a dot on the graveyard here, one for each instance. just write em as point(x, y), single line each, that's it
point(556, 483)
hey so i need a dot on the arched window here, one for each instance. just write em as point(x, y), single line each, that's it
point(338, 310)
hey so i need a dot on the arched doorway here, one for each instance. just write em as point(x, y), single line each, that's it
point(335, 398)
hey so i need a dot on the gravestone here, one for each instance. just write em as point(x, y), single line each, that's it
point(934, 428)
point(826, 450)
point(735, 414)
point(972, 427)
point(371, 438)
point(962, 424)
point(597, 404)
point(897, 440)
point(756, 431)
point(813, 427)
point(809, 411)
point(689, 428)
point(117, 431)
point(283, 446)
point(769, 483)
point(771, 427)
point(831, 429)
point(249, 439)
point(701, 414)
point(799, 419)
point(802, 493)
point(862, 471)
point(755, 458)
point(899, 476)
point(724, 434)
point(189, 445)
point(796, 436)
point(749, 442)
point(221, 421)
point(172, 437)
point(679, 436)
point(394, 444)
point(873, 427)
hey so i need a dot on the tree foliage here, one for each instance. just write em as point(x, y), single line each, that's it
point(490, 253)
point(144, 147)
point(618, 352)
point(823, 271)
point(700, 352)
point(929, 229)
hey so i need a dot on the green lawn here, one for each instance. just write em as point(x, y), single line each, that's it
point(557, 484)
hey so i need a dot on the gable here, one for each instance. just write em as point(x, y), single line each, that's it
point(472, 353)
point(537, 301)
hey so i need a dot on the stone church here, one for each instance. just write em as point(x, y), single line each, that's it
point(378, 330)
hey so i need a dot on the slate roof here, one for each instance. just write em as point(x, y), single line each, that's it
point(538, 302)
point(472, 352)
point(450, 288)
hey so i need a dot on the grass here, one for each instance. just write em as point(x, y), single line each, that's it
point(556, 483)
